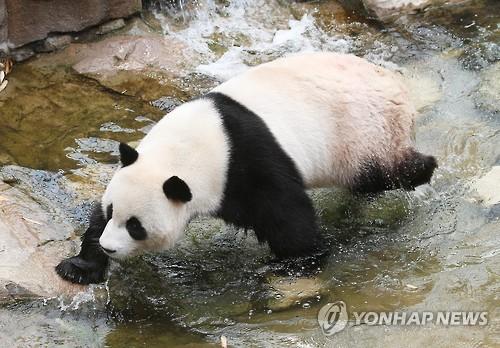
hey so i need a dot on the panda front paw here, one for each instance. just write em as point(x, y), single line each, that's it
point(77, 270)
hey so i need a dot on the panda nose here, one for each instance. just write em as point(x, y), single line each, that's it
point(109, 251)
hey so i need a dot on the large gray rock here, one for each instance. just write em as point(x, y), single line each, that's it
point(31, 244)
point(32, 20)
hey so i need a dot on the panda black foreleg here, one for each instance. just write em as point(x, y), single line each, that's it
point(90, 265)
point(289, 226)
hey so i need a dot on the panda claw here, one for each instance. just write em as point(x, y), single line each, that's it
point(79, 271)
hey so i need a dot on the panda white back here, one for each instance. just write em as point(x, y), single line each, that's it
point(330, 112)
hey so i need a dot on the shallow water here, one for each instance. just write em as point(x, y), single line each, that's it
point(433, 249)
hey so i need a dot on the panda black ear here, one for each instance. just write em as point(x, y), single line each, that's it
point(128, 155)
point(176, 189)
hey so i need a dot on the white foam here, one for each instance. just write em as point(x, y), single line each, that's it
point(229, 65)
point(295, 36)
point(254, 36)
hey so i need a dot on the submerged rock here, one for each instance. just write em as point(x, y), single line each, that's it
point(293, 291)
point(488, 187)
point(31, 244)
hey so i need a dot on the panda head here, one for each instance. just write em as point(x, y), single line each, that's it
point(145, 210)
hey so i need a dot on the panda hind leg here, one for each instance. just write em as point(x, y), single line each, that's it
point(90, 265)
point(413, 170)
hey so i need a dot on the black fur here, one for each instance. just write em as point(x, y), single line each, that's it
point(177, 190)
point(90, 265)
point(109, 212)
point(135, 229)
point(128, 155)
point(264, 190)
point(414, 170)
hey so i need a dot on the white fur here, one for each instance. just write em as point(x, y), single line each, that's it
point(329, 112)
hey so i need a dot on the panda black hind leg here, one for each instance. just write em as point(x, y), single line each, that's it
point(415, 169)
point(90, 265)
point(412, 170)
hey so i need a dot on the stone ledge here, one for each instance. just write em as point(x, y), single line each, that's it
point(23, 22)
point(31, 244)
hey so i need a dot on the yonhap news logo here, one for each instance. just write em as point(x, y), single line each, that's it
point(333, 318)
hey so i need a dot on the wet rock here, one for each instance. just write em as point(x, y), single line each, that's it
point(131, 53)
point(387, 10)
point(67, 197)
point(488, 187)
point(489, 88)
point(166, 104)
point(329, 15)
point(48, 326)
point(111, 26)
point(3, 22)
point(10, 291)
point(31, 244)
point(30, 21)
point(54, 43)
point(145, 66)
point(22, 53)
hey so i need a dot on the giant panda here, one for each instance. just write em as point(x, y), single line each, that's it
point(247, 151)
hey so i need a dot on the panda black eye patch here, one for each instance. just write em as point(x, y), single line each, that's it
point(135, 229)
point(109, 212)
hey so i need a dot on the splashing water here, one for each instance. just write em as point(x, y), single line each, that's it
point(246, 34)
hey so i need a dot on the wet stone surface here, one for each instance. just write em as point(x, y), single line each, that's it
point(31, 245)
